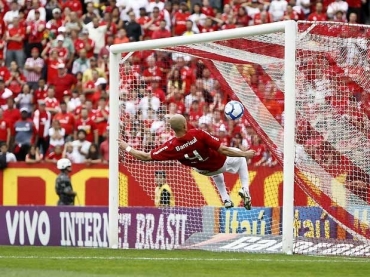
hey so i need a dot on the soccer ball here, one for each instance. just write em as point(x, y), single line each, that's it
point(234, 110)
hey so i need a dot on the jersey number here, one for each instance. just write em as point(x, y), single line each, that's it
point(196, 156)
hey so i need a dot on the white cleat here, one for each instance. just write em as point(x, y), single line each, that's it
point(247, 200)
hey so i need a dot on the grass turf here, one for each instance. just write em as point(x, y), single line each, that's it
point(83, 262)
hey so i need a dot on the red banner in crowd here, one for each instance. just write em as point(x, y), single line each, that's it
point(24, 184)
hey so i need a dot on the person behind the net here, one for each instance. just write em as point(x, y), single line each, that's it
point(203, 152)
point(63, 185)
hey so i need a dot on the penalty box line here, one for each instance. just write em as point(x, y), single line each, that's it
point(315, 259)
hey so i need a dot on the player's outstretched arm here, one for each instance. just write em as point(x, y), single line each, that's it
point(234, 152)
point(140, 155)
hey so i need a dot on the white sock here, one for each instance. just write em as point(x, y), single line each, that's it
point(244, 175)
point(220, 184)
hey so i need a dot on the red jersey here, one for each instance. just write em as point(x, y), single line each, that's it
point(4, 73)
point(74, 6)
point(66, 121)
point(16, 45)
point(89, 126)
point(35, 35)
point(82, 44)
point(62, 53)
point(2, 27)
point(63, 83)
point(52, 68)
point(195, 149)
point(179, 22)
point(54, 156)
point(101, 126)
point(12, 116)
point(317, 17)
point(40, 93)
point(4, 127)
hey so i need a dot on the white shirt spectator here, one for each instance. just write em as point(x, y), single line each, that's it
point(33, 76)
point(197, 19)
point(277, 9)
point(55, 142)
point(252, 12)
point(6, 94)
point(154, 4)
point(10, 157)
point(80, 146)
point(149, 102)
point(338, 5)
point(9, 16)
point(137, 4)
point(302, 3)
point(31, 14)
point(97, 35)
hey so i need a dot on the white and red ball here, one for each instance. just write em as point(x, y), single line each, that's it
point(234, 110)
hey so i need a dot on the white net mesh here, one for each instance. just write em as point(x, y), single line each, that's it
point(332, 137)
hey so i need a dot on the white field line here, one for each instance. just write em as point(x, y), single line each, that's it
point(314, 259)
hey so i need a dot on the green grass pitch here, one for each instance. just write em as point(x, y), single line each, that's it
point(88, 262)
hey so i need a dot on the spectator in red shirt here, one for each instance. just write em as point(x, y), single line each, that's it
point(5, 93)
point(4, 71)
point(56, 22)
point(35, 32)
point(15, 45)
point(54, 155)
point(104, 148)
point(42, 122)
point(179, 20)
point(318, 15)
point(12, 114)
point(16, 80)
point(5, 132)
point(66, 119)
point(101, 118)
point(88, 125)
point(242, 18)
point(74, 6)
point(162, 32)
point(64, 81)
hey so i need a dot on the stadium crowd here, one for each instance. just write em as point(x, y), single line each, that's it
point(54, 74)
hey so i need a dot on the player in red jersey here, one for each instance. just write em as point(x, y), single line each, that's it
point(203, 152)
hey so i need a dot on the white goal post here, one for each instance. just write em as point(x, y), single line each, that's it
point(289, 28)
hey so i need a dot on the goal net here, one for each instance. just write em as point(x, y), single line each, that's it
point(305, 89)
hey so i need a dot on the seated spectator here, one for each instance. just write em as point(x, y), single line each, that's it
point(33, 68)
point(88, 74)
point(175, 80)
point(16, 80)
point(68, 151)
point(10, 157)
point(92, 156)
point(54, 155)
point(319, 14)
point(121, 37)
point(25, 133)
point(198, 18)
point(104, 148)
point(162, 31)
point(66, 119)
point(334, 7)
point(81, 64)
point(42, 122)
point(25, 98)
point(56, 135)
point(80, 148)
point(33, 155)
point(277, 9)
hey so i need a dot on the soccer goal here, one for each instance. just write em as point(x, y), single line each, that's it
point(315, 201)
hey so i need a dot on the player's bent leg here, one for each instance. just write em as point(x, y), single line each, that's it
point(239, 165)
